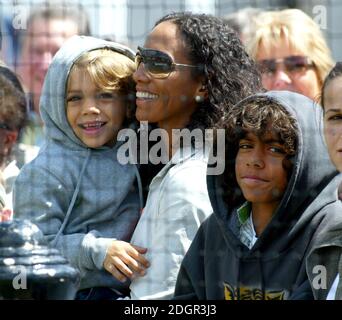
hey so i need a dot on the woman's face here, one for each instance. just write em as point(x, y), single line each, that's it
point(169, 101)
point(333, 120)
point(303, 80)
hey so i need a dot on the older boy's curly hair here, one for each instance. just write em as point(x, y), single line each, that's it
point(258, 116)
point(230, 74)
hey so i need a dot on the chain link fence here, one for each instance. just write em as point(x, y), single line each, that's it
point(128, 21)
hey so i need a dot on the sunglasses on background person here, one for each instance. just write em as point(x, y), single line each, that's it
point(157, 64)
point(4, 126)
point(292, 65)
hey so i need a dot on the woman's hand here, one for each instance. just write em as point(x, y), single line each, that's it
point(124, 260)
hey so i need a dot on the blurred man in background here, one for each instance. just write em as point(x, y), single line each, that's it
point(48, 28)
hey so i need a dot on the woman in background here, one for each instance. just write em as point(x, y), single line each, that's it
point(291, 52)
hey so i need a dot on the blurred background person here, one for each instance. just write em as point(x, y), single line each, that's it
point(243, 22)
point(291, 52)
point(13, 117)
point(48, 27)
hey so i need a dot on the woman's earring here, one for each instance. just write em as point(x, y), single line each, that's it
point(199, 99)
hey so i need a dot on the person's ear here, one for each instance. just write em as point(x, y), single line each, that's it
point(201, 92)
point(10, 139)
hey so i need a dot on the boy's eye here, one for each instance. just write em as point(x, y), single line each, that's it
point(245, 145)
point(105, 95)
point(335, 117)
point(277, 149)
point(74, 98)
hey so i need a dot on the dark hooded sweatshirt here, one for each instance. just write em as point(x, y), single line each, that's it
point(325, 258)
point(219, 266)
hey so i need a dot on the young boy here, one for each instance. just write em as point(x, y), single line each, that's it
point(76, 191)
point(270, 204)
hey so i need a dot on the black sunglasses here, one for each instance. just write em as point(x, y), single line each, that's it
point(158, 64)
point(292, 64)
point(4, 126)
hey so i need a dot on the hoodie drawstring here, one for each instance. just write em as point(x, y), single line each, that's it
point(140, 188)
point(238, 276)
point(262, 278)
point(73, 199)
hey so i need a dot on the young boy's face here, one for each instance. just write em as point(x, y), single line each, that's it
point(95, 115)
point(259, 168)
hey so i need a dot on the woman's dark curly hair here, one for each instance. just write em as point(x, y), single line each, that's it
point(334, 73)
point(230, 74)
point(258, 116)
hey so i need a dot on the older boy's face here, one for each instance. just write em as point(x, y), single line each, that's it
point(333, 121)
point(95, 115)
point(259, 168)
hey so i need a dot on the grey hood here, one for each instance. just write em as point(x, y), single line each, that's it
point(52, 102)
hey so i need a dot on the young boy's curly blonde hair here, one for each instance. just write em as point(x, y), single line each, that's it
point(112, 71)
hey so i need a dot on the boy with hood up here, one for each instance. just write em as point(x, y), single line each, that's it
point(277, 195)
point(76, 190)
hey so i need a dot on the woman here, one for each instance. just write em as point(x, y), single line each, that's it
point(191, 70)
point(328, 253)
point(291, 52)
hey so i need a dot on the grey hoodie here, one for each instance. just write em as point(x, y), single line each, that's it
point(219, 266)
point(80, 198)
point(325, 259)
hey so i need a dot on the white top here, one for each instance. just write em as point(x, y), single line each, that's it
point(247, 232)
point(9, 174)
point(332, 291)
point(177, 204)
